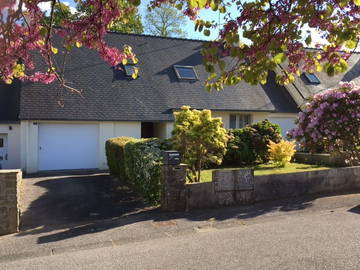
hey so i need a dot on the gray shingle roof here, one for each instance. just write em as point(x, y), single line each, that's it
point(109, 96)
point(352, 74)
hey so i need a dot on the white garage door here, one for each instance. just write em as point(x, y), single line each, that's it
point(286, 123)
point(68, 146)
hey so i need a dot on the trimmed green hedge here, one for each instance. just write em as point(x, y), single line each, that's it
point(138, 162)
point(249, 144)
point(115, 156)
point(143, 162)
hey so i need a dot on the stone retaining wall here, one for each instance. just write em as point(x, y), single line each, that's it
point(228, 187)
point(277, 186)
point(320, 159)
point(236, 187)
point(9, 201)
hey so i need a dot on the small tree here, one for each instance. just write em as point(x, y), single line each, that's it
point(331, 121)
point(165, 21)
point(200, 138)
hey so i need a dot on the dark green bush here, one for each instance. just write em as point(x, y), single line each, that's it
point(115, 156)
point(143, 162)
point(248, 145)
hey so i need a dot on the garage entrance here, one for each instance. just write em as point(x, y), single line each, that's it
point(68, 146)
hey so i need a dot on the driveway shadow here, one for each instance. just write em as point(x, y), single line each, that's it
point(64, 200)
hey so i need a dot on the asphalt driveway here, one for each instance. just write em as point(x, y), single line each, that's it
point(60, 199)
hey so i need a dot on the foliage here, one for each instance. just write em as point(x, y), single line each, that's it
point(143, 163)
point(61, 13)
point(278, 32)
point(331, 120)
point(165, 21)
point(200, 139)
point(281, 152)
point(116, 156)
point(23, 31)
point(130, 22)
point(248, 145)
point(272, 33)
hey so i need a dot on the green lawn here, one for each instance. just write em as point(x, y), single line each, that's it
point(266, 169)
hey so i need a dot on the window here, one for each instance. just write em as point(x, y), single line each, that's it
point(239, 120)
point(129, 70)
point(312, 78)
point(1, 142)
point(185, 72)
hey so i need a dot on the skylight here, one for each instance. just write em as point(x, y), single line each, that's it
point(185, 72)
point(129, 70)
point(312, 78)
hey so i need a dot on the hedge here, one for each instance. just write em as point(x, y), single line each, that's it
point(143, 162)
point(115, 156)
point(248, 145)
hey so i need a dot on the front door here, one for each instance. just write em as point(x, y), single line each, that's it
point(3, 151)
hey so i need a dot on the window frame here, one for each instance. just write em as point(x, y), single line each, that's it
point(311, 81)
point(238, 117)
point(196, 78)
point(125, 69)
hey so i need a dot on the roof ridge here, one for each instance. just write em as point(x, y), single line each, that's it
point(153, 36)
point(318, 49)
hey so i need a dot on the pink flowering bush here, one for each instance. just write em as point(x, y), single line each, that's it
point(331, 120)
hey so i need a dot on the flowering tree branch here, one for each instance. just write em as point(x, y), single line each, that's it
point(259, 35)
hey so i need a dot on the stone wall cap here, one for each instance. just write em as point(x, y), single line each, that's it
point(10, 171)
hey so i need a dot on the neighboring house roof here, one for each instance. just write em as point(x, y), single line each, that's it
point(9, 102)
point(109, 96)
point(306, 89)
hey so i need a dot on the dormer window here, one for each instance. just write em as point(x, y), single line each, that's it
point(312, 78)
point(129, 70)
point(185, 73)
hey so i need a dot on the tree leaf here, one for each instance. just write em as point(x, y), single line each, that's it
point(54, 50)
point(279, 58)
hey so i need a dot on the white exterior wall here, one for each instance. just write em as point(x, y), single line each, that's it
point(163, 130)
point(160, 130)
point(255, 116)
point(29, 146)
point(286, 121)
point(23, 141)
point(30, 142)
point(13, 144)
point(109, 130)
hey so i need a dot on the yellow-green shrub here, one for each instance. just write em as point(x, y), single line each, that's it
point(200, 138)
point(281, 153)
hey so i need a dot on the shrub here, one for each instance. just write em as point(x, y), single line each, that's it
point(143, 162)
point(200, 138)
point(114, 148)
point(249, 144)
point(281, 152)
point(331, 121)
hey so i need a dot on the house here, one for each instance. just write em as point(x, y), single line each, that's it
point(45, 127)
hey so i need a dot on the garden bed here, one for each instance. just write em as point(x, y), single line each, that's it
point(267, 169)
